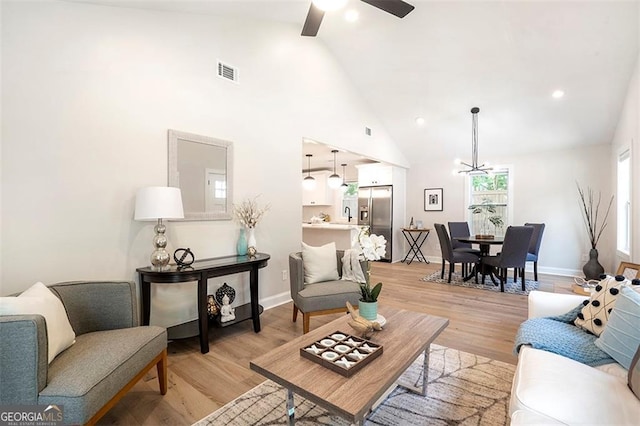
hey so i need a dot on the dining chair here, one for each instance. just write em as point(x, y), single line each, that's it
point(449, 255)
point(534, 246)
point(461, 229)
point(513, 254)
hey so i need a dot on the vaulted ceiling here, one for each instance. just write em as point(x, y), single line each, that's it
point(505, 57)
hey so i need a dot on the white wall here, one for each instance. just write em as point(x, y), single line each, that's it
point(627, 136)
point(88, 93)
point(544, 191)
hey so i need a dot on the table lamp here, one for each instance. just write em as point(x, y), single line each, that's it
point(159, 202)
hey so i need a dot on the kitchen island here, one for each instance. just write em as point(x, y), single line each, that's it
point(323, 233)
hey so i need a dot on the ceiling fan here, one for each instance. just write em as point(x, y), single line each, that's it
point(398, 8)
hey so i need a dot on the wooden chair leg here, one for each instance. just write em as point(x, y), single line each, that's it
point(161, 366)
point(295, 312)
point(442, 273)
point(305, 323)
point(503, 278)
point(535, 270)
point(522, 277)
point(450, 271)
point(515, 275)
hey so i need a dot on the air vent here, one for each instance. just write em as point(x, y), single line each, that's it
point(367, 131)
point(227, 72)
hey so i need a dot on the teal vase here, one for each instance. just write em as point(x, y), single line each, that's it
point(368, 310)
point(241, 246)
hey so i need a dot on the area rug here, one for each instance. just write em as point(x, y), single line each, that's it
point(463, 389)
point(509, 286)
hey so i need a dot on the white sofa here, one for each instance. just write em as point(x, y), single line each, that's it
point(550, 389)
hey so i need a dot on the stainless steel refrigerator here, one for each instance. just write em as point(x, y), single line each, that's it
point(375, 210)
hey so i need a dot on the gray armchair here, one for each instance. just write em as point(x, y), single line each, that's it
point(328, 297)
point(110, 355)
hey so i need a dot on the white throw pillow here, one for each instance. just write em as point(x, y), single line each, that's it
point(38, 299)
point(320, 263)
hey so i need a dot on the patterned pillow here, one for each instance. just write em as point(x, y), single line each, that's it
point(596, 310)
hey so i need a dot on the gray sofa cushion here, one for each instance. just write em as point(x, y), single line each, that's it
point(98, 366)
point(328, 295)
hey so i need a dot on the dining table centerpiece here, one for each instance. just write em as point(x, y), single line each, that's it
point(489, 215)
point(370, 247)
point(595, 224)
point(248, 213)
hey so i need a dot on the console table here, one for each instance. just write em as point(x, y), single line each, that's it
point(201, 271)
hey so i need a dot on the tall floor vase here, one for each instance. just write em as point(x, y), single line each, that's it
point(592, 269)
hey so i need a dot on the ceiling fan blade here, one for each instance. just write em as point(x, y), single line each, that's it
point(398, 8)
point(312, 23)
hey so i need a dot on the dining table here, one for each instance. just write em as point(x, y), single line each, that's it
point(484, 244)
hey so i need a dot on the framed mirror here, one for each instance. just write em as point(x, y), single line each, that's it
point(201, 167)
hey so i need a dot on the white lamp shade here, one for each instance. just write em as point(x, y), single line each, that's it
point(309, 183)
point(159, 202)
point(335, 181)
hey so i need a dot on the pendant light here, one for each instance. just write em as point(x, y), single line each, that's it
point(309, 183)
point(334, 179)
point(344, 185)
point(474, 167)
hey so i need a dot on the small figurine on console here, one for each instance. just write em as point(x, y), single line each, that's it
point(226, 311)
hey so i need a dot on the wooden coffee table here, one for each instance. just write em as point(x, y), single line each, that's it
point(405, 335)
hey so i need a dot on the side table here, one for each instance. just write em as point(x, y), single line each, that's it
point(415, 238)
point(201, 271)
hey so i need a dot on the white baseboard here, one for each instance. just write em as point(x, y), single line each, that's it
point(276, 300)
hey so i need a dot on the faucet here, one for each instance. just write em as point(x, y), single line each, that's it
point(347, 210)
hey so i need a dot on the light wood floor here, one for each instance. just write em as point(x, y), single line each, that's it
point(481, 322)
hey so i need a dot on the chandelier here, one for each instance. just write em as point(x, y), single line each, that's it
point(474, 167)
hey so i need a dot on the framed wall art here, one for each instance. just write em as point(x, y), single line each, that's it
point(629, 270)
point(433, 200)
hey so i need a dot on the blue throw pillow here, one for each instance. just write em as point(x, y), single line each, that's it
point(621, 335)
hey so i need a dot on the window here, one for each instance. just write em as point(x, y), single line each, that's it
point(624, 203)
point(350, 200)
point(489, 195)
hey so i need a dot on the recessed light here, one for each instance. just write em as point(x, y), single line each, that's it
point(420, 121)
point(351, 15)
point(557, 94)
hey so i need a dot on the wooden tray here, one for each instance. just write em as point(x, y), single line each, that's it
point(342, 352)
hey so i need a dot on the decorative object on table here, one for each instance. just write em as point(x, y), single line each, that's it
point(248, 214)
point(433, 200)
point(341, 352)
point(242, 245)
point(225, 290)
point(251, 251)
point(227, 313)
point(419, 224)
point(212, 306)
point(488, 211)
point(590, 211)
point(183, 257)
point(411, 225)
point(584, 287)
point(474, 167)
point(369, 247)
point(158, 203)
point(629, 270)
point(362, 325)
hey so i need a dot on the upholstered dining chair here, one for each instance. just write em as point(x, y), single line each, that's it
point(534, 246)
point(451, 256)
point(513, 254)
point(461, 229)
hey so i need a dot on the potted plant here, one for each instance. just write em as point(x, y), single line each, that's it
point(489, 215)
point(370, 247)
point(590, 211)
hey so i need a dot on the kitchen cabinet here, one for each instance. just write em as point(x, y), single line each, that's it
point(322, 195)
point(375, 174)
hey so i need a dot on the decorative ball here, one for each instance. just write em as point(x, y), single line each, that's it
point(212, 308)
point(251, 251)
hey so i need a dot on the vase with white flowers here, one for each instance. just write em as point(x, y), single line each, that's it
point(248, 213)
point(370, 247)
